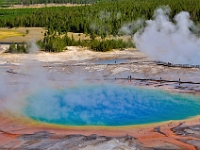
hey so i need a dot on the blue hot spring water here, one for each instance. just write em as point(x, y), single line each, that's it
point(109, 105)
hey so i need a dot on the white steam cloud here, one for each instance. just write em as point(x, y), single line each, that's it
point(169, 40)
point(22, 74)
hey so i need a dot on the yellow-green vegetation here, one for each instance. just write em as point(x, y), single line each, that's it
point(21, 34)
point(9, 33)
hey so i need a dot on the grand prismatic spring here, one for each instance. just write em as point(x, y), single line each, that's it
point(109, 105)
point(64, 101)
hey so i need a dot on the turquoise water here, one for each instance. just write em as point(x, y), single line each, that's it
point(109, 105)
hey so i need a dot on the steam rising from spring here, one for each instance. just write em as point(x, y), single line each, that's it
point(169, 40)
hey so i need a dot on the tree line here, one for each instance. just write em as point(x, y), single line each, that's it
point(99, 19)
point(55, 43)
point(103, 18)
point(18, 48)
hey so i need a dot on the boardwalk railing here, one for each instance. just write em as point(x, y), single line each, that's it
point(176, 65)
point(158, 80)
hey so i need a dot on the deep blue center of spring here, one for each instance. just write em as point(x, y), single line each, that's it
point(109, 105)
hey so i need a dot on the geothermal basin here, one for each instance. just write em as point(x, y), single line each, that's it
point(109, 105)
point(49, 101)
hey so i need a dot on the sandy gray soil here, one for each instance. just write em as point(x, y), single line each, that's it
point(112, 66)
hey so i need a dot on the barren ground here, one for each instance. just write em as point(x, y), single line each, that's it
point(43, 5)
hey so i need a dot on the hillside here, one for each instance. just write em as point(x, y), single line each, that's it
point(101, 19)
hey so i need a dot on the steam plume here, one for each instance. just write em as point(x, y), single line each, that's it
point(169, 40)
